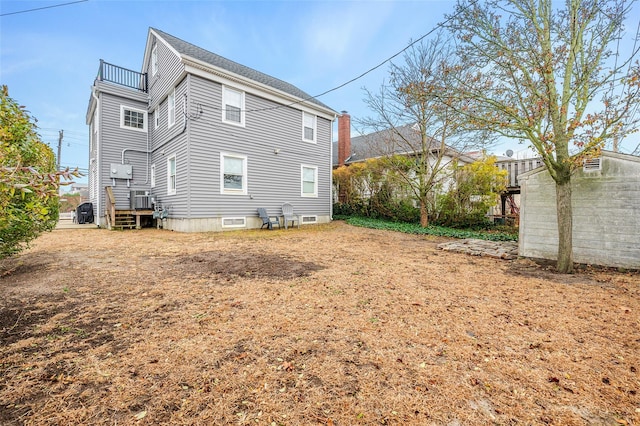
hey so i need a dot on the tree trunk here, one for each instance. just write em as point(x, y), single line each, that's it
point(424, 214)
point(565, 227)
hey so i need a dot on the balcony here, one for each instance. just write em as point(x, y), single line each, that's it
point(122, 76)
point(517, 167)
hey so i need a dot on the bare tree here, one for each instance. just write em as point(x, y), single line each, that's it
point(416, 132)
point(546, 75)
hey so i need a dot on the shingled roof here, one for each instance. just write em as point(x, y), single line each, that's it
point(193, 51)
point(401, 140)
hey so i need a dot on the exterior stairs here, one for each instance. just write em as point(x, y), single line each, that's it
point(124, 220)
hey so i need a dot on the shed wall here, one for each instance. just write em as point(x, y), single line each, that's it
point(606, 215)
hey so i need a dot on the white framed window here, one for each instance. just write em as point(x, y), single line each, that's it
point(133, 118)
point(171, 175)
point(154, 60)
point(309, 181)
point(232, 106)
point(171, 107)
point(152, 175)
point(308, 127)
point(309, 219)
point(156, 118)
point(234, 222)
point(233, 174)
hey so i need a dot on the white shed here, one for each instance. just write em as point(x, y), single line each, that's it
point(606, 212)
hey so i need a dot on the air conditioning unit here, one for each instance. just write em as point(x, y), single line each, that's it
point(140, 200)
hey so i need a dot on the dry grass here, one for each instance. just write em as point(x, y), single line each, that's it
point(330, 325)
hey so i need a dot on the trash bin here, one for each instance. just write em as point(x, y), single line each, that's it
point(84, 213)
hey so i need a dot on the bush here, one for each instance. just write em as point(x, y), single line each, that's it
point(29, 181)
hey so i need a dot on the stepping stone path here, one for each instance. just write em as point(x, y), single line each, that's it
point(507, 250)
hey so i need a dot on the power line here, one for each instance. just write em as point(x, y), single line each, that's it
point(44, 7)
point(436, 27)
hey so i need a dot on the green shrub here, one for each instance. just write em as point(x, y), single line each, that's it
point(29, 181)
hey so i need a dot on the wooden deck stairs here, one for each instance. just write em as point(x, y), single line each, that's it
point(122, 219)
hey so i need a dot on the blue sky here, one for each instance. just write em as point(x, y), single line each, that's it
point(49, 57)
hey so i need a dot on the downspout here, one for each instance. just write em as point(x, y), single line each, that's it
point(98, 165)
point(331, 171)
point(185, 117)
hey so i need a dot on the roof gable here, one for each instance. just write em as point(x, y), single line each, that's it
point(188, 50)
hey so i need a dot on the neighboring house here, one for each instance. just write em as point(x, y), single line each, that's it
point(399, 141)
point(509, 208)
point(606, 212)
point(207, 139)
point(348, 150)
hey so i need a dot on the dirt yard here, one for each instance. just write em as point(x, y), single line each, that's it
point(327, 325)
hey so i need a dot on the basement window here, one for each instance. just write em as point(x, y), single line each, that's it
point(592, 164)
point(309, 219)
point(234, 222)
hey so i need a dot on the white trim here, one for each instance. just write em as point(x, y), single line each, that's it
point(217, 74)
point(315, 183)
point(172, 191)
point(171, 109)
point(308, 219)
point(314, 127)
point(156, 118)
point(233, 219)
point(245, 179)
point(133, 109)
point(154, 60)
point(152, 177)
point(232, 90)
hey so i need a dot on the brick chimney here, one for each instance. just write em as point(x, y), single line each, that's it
point(344, 137)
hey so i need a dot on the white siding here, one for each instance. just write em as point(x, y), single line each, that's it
point(606, 214)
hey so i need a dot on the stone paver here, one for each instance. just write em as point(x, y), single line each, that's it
point(507, 250)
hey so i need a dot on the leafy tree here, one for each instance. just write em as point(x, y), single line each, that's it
point(548, 76)
point(418, 135)
point(475, 189)
point(29, 181)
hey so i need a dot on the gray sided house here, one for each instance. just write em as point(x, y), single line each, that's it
point(606, 212)
point(207, 140)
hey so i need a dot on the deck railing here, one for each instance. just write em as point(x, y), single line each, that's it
point(124, 77)
point(517, 167)
point(110, 211)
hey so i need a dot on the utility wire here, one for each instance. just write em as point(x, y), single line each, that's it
point(370, 70)
point(44, 7)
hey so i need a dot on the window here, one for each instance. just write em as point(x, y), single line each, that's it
point(152, 178)
point(309, 181)
point(234, 222)
point(308, 127)
point(309, 219)
point(232, 106)
point(132, 118)
point(156, 118)
point(171, 175)
point(233, 176)
point(171, 101)
point(154, 60)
